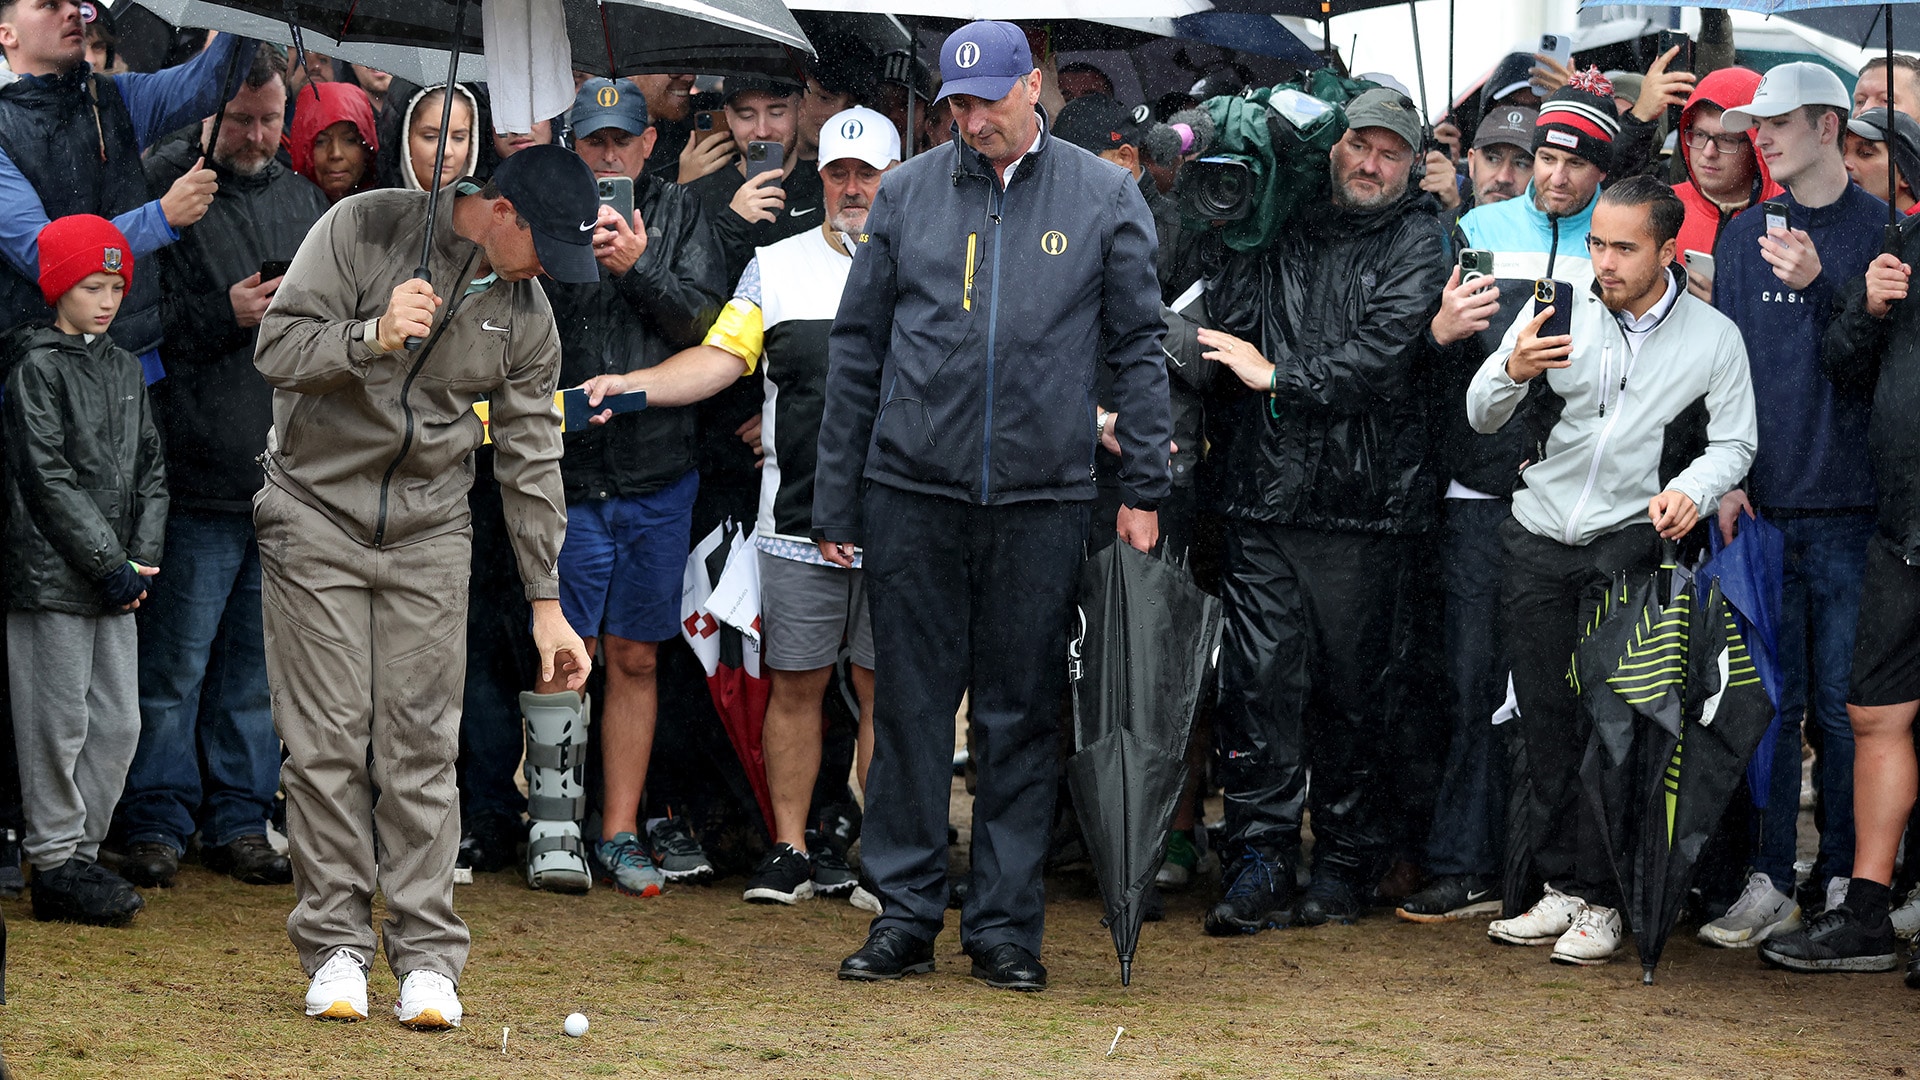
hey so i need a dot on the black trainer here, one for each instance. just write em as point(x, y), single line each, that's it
point(1328, 899)
point(1913, 971)
point(491, 845)
point(831, 874)
point(1450, 898)
point(785, 876)
point(1835, 940)
point(149, 864)
point(250, 860)
point(84, 892)
point(1255, 899)
point(677, 852)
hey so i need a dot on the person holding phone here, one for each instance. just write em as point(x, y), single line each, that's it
point(1640, 352)
point(766, 193)
point(209, 759)
point(1780, 269)
point(630, 487)
point(1725, 174)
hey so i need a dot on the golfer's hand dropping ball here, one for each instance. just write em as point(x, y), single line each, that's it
point(577, 1024)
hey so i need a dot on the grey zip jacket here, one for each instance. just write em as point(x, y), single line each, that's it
point(1602, 461)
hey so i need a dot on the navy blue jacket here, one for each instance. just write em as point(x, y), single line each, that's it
point(1813, 436)
point(962, 359)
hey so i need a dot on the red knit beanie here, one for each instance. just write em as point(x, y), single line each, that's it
point(76, 246)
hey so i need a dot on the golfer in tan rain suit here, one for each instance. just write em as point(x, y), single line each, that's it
point(364, 536)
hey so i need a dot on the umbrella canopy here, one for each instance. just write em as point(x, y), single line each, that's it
point(1750, 572)
point(735, 681)
point(1660, 777)
point(1042, 10)
point(621, 37)
point(1148, 635)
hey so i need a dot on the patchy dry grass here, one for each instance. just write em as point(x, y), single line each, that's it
point(205, 985)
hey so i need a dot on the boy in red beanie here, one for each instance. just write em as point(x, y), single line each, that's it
point(87, 501)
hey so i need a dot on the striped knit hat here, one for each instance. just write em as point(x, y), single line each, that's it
point(1580, 119)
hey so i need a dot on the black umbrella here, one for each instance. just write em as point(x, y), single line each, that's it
point(1660, 776)
point(1147, 637)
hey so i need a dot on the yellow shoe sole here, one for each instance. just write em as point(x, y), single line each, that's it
point(430, 1020)
point(342, 1011)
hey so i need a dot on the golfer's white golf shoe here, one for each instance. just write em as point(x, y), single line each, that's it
point(427, 1001)
point(339, 989)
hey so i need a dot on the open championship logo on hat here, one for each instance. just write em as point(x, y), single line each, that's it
point(88, 12)
point(852, 129)
point(1515, 117)
point(110, 259)
point(967, 55)
point(608, 97)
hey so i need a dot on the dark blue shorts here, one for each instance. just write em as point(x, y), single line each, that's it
point(623, 561)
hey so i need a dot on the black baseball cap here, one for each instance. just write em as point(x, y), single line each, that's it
point(758, 84)
point(554, 191)
point(1096, 122)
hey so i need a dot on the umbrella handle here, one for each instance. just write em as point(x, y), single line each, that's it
point(440, 151)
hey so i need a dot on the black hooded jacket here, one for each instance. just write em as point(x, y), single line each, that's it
point(663, 304)
point(1862, 354)
point(213, 408)
point(1339, 304)
point(86, 484)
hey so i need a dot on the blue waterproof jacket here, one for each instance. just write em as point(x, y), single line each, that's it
point(962, 359)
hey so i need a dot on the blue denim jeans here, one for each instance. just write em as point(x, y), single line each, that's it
point(208, 759)
point(1826, 559)
point(1470, 814)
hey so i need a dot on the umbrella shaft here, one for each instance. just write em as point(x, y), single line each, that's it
point(440, 145)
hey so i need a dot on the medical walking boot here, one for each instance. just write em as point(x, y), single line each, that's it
point(556, 791)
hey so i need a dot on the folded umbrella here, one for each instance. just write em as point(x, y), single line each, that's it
point(735, 680)
point(1148, 635)
point(1750, 572)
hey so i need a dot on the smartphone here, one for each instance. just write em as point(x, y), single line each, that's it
point(764, 156)
point(706, 120)
point(1558, 46)
point(1559, 295)
point(1699, 262)
point(1776, 212)
point(1475, 264)
point(617, 192)
point(1682, 61)
point(273, 268)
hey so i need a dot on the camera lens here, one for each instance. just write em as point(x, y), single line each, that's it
point(1224, 190)
point(1218, 189)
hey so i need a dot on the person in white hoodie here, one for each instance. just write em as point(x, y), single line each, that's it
point(1642, 354)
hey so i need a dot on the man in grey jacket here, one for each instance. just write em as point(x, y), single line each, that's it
point(364, 543)
point(1642, 351)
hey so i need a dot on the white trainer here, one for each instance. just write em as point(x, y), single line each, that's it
point(1543, 923)
point(427, 1001)
point(1593, 939)
point(1836, 892)
point(1906, 917)
point(1761, 912)
point(339, 989)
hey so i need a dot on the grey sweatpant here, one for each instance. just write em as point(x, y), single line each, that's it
point(76, 722)
point(366, 656)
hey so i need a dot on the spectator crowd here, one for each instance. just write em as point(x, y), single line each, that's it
point(296, 544)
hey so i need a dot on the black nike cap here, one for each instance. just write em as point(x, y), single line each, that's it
point(555, 192)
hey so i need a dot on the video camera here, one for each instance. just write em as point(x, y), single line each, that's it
point(1230, 187)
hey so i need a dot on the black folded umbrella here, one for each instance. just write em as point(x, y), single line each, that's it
point(1147, 638)
point(1660, 772)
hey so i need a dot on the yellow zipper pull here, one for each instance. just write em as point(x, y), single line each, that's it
point(966, 295)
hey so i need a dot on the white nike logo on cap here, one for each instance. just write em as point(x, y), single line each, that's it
point(799, 212)
point(588, 227)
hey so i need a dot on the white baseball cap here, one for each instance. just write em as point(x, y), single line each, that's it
point(859, 133)
point(1785, 88)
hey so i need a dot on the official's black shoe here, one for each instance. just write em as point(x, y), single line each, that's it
point(491, 844)
point(250, 860)
point(147, 863)
point(1256, 898)
point(831, 874)
point(1451, 898)
point(1913, 971)
point(1328, 899)
point(785, 876)
point(1007, 966)
point(84, 892)
point(888, 954)
point(1835, 940)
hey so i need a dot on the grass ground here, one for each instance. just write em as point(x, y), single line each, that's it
point(205, 985)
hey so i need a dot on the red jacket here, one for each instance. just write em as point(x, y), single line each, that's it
point(1728, 88)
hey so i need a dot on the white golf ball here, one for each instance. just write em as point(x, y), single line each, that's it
point(577, 1024)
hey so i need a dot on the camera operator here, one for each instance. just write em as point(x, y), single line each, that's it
point(1321, 441)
